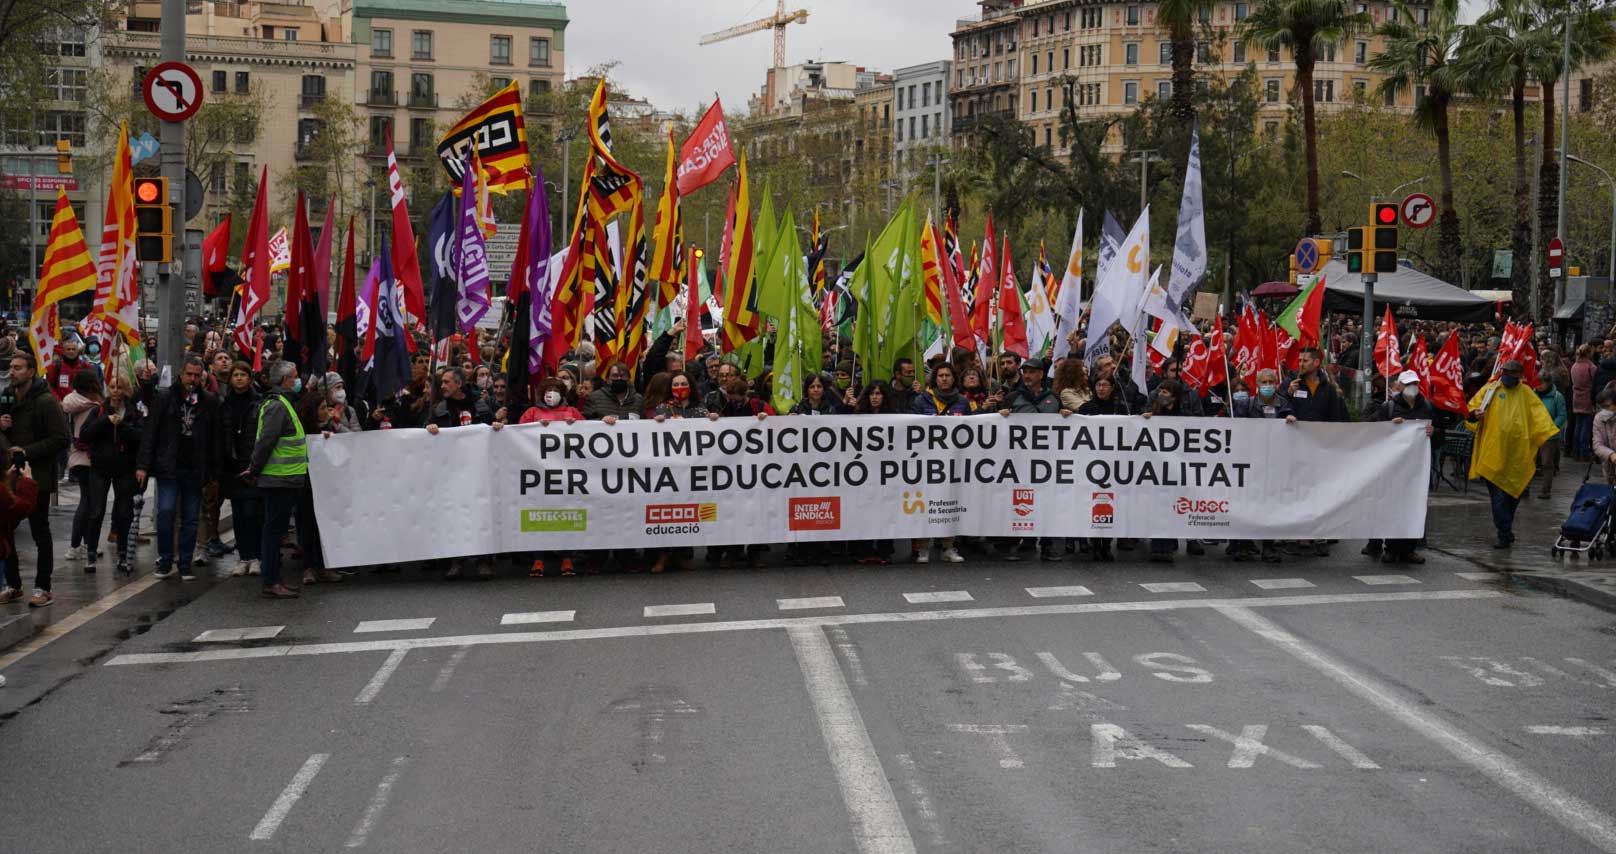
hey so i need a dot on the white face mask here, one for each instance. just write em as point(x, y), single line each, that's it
point(339, 396)
point(1605, 415)
point(1411, 391)
point(552, 398)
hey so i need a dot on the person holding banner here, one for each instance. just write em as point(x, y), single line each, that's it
point(1406, 404)
point(1106, 399)
point(877, 399)
point(1268, 402)
point(942, 398)
point(1510, 424)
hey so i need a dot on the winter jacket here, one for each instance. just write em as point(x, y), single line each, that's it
point(672, 409)
point(747, 407)
point(827, 406)
point(1095, 406)
point(24, 498)
point(1555, 403)
point(112, 448)
point(1582, 387)
point(1024, 400)
point(77, 408)
point(1321, 404)
point(447, 413)
point(238, 432)
point(656, 360)
point(40, 429)
point(1254, 407)
point(1072, 399)
point(1400, 407)
point(273, 420)
point(61, 373)
point(602, 403)
point(174, 414)
point(931, 402)
point(347, 422)
point(535, 414)
point(1605, 444)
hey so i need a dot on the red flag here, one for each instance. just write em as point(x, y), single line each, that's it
point(1528, 358)
point(693, 310)
point(953, 294)
point(322, 266)
point(1012, 327)
point(706, 152)
point(405, 266)
point(1419, 361)
point(299, 281)
point(254, 267)
point(1307, 325)
point(347, 324)
point(1388, 359)
point(987, 282)
point(1289, 350)
point(258, 350)
point(1197, 363)
point(1447, 377)
point(1248, 348)
point(1268, 356)
point(1217, 370)
point(214, 248)
point(1513, 348)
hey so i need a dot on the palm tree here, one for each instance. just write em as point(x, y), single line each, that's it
point(1419, 56)
point(1178, 18)
point(1499, 53)
point(1305, 27)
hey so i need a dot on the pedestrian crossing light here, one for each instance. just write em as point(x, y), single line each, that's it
point(1383, 240)
point(1355, 250)
point(154, 226)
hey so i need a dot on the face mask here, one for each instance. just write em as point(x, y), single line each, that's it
point(1242, 396)
point(619, 386)
point(552, 398)
point(297, 385)
point(1605, 415)
point(567, 381)
point(1411, 391)
point(681, 393)
point(1266, 390)
point(1511, 382)
point(339, 396)
point(93, 352)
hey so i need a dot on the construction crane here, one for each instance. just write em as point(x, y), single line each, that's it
point(777, 23)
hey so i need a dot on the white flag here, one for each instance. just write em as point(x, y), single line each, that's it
point(1069, 307)
point(1189, 247)
point(1141, 356)
point(1040, 317)
point(1121, 290)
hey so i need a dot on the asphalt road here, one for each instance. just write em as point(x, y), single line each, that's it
point(982, 707)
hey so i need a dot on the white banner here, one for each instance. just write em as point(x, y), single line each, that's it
point(403, 495)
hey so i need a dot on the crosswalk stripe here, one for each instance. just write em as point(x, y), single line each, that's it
point(1172, 587)
point(937, 596)
point(243, 634)
point(1281, 583)
point(537, 617)
point(1386, 579)
point(410, 625)
point(1479, 576)
point(810, 602)
point(692, 610)
point(1056, 592)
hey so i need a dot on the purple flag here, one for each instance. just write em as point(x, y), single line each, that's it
point(469, 257)
point(538, 273)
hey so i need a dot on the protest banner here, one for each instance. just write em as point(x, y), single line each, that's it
point(403, 495)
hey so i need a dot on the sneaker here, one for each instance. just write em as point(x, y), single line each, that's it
point(74, 553)
point(254, 568)
point(41, 599)
point(200, 560)
point(566, 567)
point(163, 572)
point(239, 569)
point(187, 575)
point(952, 556)
point(126, 567)
point(923, 556)
point(538, 569)
point(9, 595)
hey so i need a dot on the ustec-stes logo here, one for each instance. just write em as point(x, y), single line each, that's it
point(815, 514)
point(554, 521)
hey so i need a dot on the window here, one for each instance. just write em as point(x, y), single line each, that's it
point(269, 32)
point(421, 91)
point(1164, 89)
point(499, 82)
point(1425, 16)
point(313, 91)
point(1066, 58)
point(925, 127)
point(421, 44)
point(937, 122)
point(1047, 142)
point(242, 180)
point(1206, 14)
point(1271, 91)
point(1241, 10)
point(1270, 128)
point(1130, 92)
point(925, 94)
point(381, 127)
point(216, 181)
point(243, 83)
point(1049, 99)
point(1360, 53)
point(1360, 89)
point(1049, 61)
point(308, 130)
point(911, 97)
point(900, 131)
point(538, 52)
point(499, 50)
point(54, 126)
point(381, 87)
point(538, 86)
point(1010, 69)
point(1324, 91)
point(1067, 25)
point(1035, 64)
point(1130, 53)
point(1391, 14)
point(66, 84)
point(1133, 16)
point(1164, 53)
point(289, 34)
point(221, 82)
point(70, 42)
point(1585, 94)
point(1329, 51)
point(1362, 8)
point(1391, 99)
point(1273, 54)
point(245, 133)
point(911, 128)
point(381, 43)
point(420, 135)
point(1240, 53)
point(1203, 53)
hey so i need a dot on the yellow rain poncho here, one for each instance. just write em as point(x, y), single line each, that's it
point(1508, 435)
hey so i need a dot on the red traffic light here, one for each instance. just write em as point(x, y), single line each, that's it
point(148, 192)
point(1385, 214)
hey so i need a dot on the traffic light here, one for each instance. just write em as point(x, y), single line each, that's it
point(1355, 250)
point(1326, 251)
point(64, 157)
point(154, 226)
point(1383, 240)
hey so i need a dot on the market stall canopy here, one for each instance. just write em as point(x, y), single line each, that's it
point(1409, 292)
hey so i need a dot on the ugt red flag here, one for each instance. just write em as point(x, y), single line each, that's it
point(706, 152)
point(1247, 348)
point(1447, 376)
point(1217, 370)
point(1419, 362)
point(214, 247)
point(1388, 358)
point(986, 283)
point(1012, 327)
point(1268, 353)
point(1197, 361)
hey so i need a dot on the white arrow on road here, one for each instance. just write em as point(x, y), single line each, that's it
point(653, 705)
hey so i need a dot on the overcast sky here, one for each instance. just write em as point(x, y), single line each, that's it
point(655, 41)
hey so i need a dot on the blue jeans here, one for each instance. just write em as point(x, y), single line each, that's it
point(186, 497)
point(1504, 506)
point(1582, 436)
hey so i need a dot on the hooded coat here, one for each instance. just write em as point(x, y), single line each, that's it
point(1513, 424)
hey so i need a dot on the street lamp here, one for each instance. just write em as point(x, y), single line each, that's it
point(1144, 158)
point(565, 137)
point(1379, 195)
point(1610, 270)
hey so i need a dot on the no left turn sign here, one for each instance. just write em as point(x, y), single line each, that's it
point(173, 91)
point(1418, 210)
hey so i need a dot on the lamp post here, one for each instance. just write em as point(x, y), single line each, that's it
point(565, 137)
point(1610, 268)
point(1144, 158)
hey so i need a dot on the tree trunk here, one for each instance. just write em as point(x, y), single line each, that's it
point(1548, 207)
point(1449, 249)
point(1310, 136)
point(1183, 46)
point(1520, 274)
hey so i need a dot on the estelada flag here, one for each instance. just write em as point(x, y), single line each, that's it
point(1447, 376)
point(706, 152)
point(497, 128)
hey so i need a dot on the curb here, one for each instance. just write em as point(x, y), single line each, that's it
point(1560, 585)
point(15, 629)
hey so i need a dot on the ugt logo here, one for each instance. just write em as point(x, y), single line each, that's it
point(1021, 502)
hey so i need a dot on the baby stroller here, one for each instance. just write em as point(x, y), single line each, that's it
point(1586, 529)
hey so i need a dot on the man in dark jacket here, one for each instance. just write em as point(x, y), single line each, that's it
point(34, 425)
point(1406, 404)
point(179, 451)
point(1312, 395)
point(616, 398)
point(460, 406)
point(1033, 394)
point(1266, 402)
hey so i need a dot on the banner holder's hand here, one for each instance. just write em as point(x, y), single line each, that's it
point(432, 429)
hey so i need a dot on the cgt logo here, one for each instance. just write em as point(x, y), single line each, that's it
point(913, 502)
point(1185, 506)
point(815, 514)
point(680, 514)
point(1103, 513)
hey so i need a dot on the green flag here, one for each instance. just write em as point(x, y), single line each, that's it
point(1289, 319)
point(864, 337)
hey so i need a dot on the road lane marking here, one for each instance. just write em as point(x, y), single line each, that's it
point(849, 651)
point(411, 625)
point(641, 631)
point(1281, 583)
point(1577, 731)
point(1248, 745)
point(1058, 592)
point(1386, 579)
point(996, 733)
point(537, 617)
point(378, 802)
point(1172, 587)
point(1479, 576)
point(56, 630)
point(384, 673)
point(1104, 672)
point(923, 801)
point(694, 609)
point(1573, 813)
point(288, 798)
point(1342, 749)
point(810, 602)
point(937, 596)
point(444, 675)
point(878, 826)
point(1112, 742)
point(233, 635)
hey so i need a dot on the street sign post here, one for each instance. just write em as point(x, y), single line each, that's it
point(1556, 258)
point(1307, 255)
point(173, 91)
point(1418, 210)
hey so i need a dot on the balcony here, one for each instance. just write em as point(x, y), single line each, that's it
point(967, 124)
point(423, 101)
point(378, 98)
point(305, 151)
point(308, 100)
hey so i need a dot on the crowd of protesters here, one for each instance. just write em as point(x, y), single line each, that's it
point(223, 430)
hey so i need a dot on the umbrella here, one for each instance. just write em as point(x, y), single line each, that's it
point(1274, 289)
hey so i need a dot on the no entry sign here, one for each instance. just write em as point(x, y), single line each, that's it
point(1556, 256)
point(173, 91)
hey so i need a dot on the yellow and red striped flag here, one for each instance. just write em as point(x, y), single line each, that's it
point(740, 291)
point(117, 298)
point(931, 267)
point(668, 235)
point(68, 271)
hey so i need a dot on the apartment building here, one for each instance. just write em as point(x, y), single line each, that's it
point(921, 108)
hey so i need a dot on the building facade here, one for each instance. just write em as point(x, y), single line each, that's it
point(921, 108)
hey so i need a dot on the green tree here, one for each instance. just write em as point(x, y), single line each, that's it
point(1304, 27)
point(1179, 18)
point(1419, 56)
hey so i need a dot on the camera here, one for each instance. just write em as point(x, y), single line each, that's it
point(8, 401)
point(18, 459)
